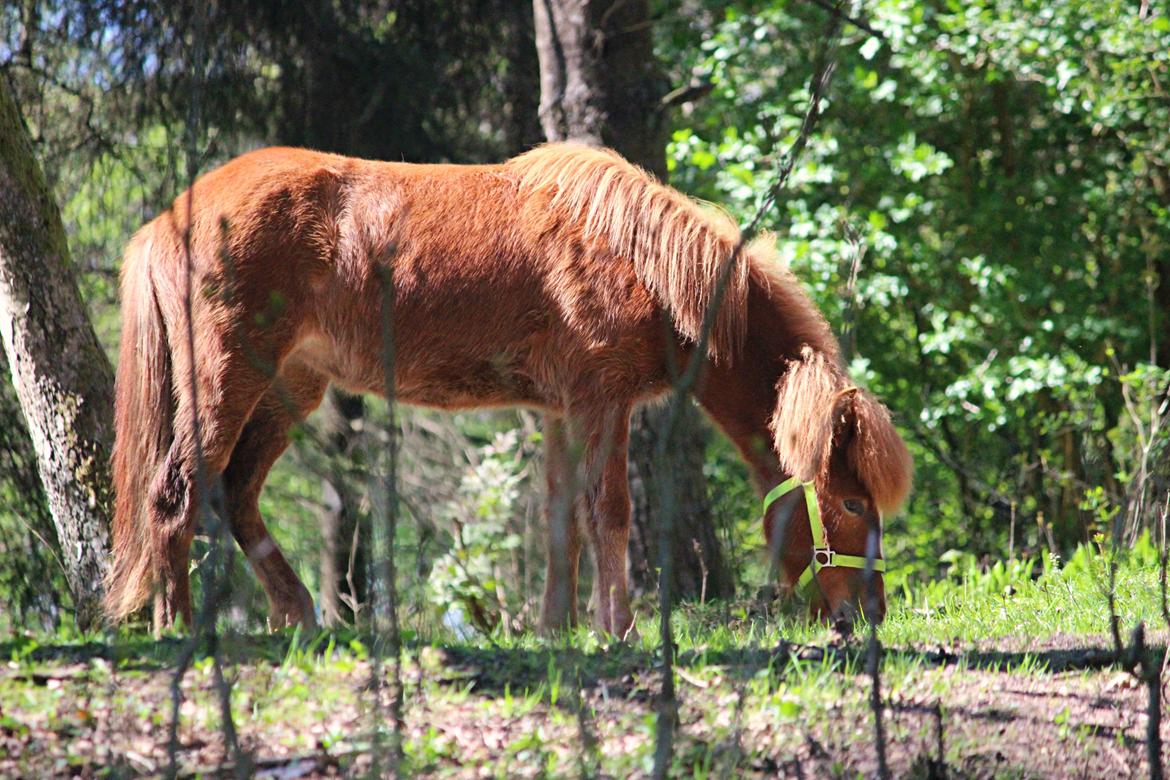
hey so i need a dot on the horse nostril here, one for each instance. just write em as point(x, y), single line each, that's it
point(843, 624)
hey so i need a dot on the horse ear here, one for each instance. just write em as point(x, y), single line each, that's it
point(876, 452)
point(814, 414)
point(808, 405)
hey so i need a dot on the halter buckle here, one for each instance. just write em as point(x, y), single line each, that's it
point(823, 557)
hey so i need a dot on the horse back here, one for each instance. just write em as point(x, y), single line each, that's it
point(495, 302)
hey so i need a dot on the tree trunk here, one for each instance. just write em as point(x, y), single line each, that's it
point(61, 376)
point(600, 84)
point(568, 44)
point(30, 547)
point(701, 568)
point(343, 567)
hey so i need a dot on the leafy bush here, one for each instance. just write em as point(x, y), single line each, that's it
point(471, 580)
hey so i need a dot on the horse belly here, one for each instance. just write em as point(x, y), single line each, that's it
point(472, 384)
point(477, 333)
point(431, 367)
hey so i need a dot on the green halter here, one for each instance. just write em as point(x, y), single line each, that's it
point(823, 555)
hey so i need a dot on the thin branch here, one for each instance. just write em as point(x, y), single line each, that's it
point(849, 315)
point(1149, 671)
point(687, 93)
point(1162, 561)
point(854, 20)
point(389, 494)
point(874, 658)
point(823, 67)
point(209, 497)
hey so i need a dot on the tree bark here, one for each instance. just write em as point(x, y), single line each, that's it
point(30, 547)
point(61, 375)
point(343, 567)
point(568, 45)
point(601, 85)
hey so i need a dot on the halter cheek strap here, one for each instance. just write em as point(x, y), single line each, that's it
point(823, 556)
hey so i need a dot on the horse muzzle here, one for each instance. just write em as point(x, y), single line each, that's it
point(844, 596)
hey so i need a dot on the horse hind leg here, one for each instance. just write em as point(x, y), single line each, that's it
point(173, 508)
point(181, 486)
point(296, 392)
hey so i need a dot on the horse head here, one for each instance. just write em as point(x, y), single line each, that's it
point(848, 469)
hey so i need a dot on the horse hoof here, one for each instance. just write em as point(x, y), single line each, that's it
point(621, 630)
point(296, 613)
point(550, 629)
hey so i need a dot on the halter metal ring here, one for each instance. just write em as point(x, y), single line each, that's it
point(823, 556)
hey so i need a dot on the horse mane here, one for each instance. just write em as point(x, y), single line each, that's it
point(677, 246)
point(819, 411)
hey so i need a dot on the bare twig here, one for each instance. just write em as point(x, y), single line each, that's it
point(849, 315)
point(1012, 533)
point(874, 657)
point(1149, 671)
point(667, 702)
point(698, 548)
point(686, 94)
point(824, 66)
point(1163, 554)
point(1137, 659)
point(589, 759)
point(389, 521)
point(940, 748)
point(852, 18)
point(210, 503)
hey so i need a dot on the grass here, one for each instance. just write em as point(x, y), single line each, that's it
point(1011, 664)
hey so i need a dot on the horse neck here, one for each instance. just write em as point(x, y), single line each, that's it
point(740, 394)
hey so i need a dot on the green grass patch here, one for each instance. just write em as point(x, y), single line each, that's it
point(1022, 641)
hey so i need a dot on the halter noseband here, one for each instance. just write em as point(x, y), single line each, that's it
point(824, 556)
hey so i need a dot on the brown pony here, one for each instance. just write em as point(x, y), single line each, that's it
point(545, 281)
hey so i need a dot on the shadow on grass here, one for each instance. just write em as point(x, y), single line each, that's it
point(489, 670)
point(142, 652)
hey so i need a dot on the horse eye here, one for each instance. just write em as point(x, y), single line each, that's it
point(854, 506)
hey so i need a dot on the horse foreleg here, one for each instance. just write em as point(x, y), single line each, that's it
point(608, 522)
point(559, 609)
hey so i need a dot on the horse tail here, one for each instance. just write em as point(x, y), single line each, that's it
point(143, 413)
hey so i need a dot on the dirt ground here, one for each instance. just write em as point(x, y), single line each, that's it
point(1061, 710)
